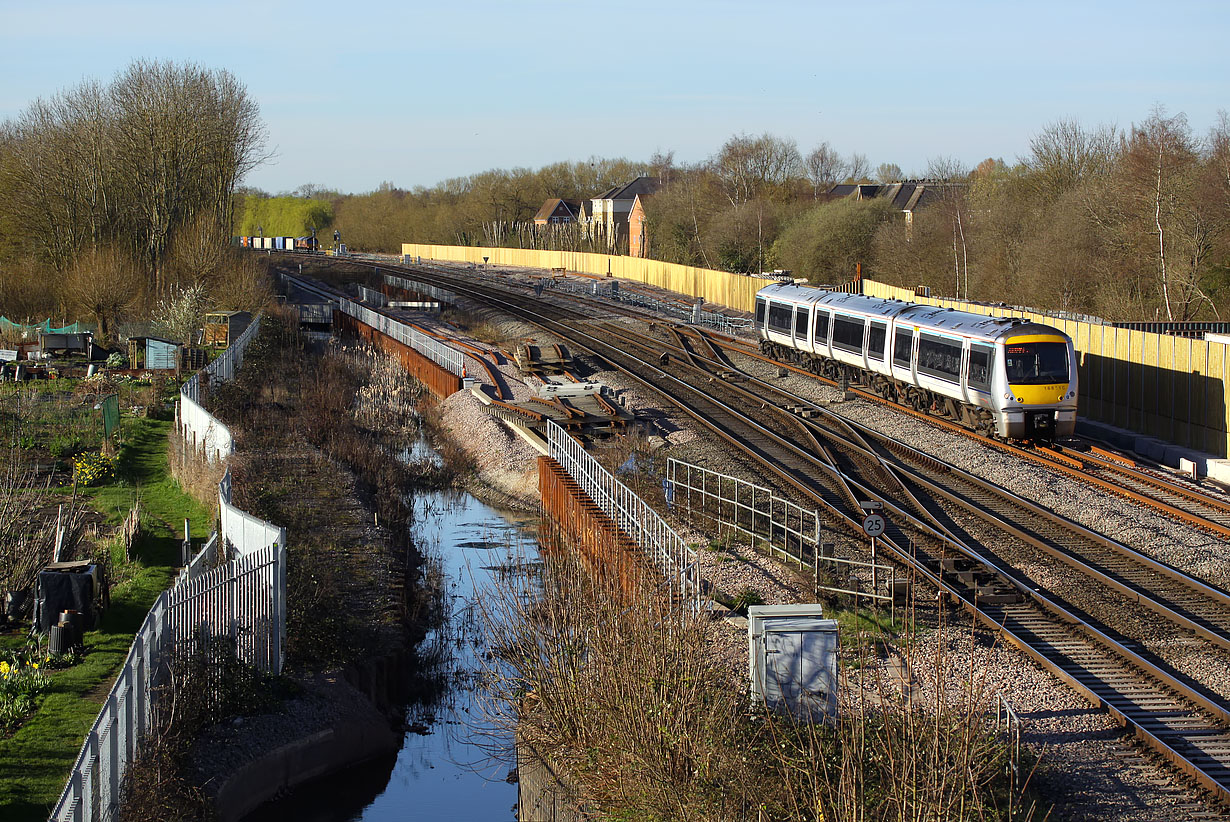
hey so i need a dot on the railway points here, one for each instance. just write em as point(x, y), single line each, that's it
point(1189, 732)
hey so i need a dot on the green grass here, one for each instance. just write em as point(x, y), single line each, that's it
point(36, 760)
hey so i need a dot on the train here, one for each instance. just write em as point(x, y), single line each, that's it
point(279, 243)
point(1003, 377)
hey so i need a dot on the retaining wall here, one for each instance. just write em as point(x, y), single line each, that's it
point(608, 554)
point(441, 382)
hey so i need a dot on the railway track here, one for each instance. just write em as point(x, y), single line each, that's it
point(1179, 721)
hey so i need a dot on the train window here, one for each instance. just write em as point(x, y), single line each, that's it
point(780, 317)
point(875, 341)
point(939, 357)
point(759, 313)
point(980, 367)
point(903, 340)
point(800, 322)
point(848, 333)
point(822, 327)
point(1036, 363)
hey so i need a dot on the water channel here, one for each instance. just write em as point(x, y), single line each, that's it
point(452, 764)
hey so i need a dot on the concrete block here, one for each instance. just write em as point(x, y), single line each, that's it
point(1218, 471)
point(1149, 448)
point(1174, 455)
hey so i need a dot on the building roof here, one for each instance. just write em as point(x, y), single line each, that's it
point(641, 186)
point(906, 195)
point(552, 207)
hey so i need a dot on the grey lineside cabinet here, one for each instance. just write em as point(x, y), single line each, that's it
point(792, 656)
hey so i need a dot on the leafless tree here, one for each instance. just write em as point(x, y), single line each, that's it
point(888, 173)
point(824, 167)
point(753, 167)
point(1064, 155)
point(857, 168)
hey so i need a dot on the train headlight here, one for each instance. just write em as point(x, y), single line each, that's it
point(1018, 399)
point(1007, 396)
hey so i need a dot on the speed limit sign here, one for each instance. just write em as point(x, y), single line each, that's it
point(873, 525)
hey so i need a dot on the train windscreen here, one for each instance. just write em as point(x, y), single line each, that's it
point(1036, 363)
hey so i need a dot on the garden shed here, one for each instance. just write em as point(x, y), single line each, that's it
point(153, 353)
point(222, 327)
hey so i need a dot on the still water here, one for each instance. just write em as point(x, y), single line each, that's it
point(453, 765)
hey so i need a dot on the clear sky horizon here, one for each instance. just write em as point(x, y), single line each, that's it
point(356, 94)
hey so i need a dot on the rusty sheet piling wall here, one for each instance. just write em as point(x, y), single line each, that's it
point(608, 554)
point(1159, 385)
point(440, 382)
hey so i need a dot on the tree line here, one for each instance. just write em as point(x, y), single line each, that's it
point(118, 197)
point(1129, 223)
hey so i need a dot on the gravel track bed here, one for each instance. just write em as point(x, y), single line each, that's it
point(1078, 769)
point(1186, 547)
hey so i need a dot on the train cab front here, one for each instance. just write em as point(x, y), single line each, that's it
point(1041, 397)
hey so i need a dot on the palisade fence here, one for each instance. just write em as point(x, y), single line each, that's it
point(630, 513)
point(240, 603)
point(196, 425)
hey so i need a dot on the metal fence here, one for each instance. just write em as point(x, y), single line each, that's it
point(693, 315)
point(435, 292)
point(197, 426)
point(226, 366)
point(203, 432)
point(789, 531)
point(243, 601)
point(630, 513)
point(240, 531)
point(443, 355)
point(372, 297)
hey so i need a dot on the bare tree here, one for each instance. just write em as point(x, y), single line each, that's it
point(888, 173)
point(857, 168)
point(1163, 186)
point(823, 167)
point(104, 283)
point(952, 175)
point(1064, 155)
point(753, 167)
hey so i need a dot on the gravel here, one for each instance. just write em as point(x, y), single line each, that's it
point(1087, 766)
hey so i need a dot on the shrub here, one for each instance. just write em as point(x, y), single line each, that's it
point(116, 360)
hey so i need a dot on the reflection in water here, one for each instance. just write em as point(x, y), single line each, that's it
point(452, 764)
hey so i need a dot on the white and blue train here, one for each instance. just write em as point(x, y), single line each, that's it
point(1003, 377)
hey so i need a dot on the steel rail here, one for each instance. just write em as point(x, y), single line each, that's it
point(1089, 662)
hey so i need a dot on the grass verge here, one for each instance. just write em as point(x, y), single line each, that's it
point(36, 759)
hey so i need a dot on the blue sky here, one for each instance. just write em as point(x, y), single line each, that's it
point(357, 93)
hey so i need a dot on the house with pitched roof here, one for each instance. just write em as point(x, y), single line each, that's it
point(611, 211)
point(557, 211)
point(907, 196)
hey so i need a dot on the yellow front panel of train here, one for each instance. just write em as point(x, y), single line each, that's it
point(1039, 394)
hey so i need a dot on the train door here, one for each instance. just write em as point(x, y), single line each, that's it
point(801, 324)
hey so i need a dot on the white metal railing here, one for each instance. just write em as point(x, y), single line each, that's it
point(630, 513)
point(443, 355)
point(202, 431)
point(433, 291)
point(372, 297)
point(745, 507)
point(788, 530)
